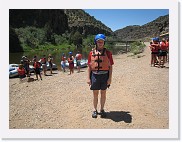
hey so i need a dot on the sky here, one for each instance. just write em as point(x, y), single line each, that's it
point(120, 18)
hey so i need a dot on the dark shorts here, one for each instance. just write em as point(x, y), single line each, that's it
point(154, 52)
point(22, 76)
point(37, 71)
point(50, 64)
point(26, 67)
point(162, 53)
point(78, 63)
point(99, 81)
point(71, 65)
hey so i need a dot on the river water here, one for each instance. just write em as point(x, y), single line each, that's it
point(16, 57)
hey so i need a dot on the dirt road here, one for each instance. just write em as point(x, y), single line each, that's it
point(138, 98)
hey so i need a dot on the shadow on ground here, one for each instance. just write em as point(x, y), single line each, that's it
point(54, 73)
point(48, 75)
point(118, 116)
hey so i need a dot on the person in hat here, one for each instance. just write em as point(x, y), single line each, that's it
point(26, 63)
point(100, 63)
point(71, 62)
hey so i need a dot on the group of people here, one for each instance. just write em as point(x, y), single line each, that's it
point(24, 68)
point(70, 60)
point(99, 76)
point(159, 52)
point(100, 62)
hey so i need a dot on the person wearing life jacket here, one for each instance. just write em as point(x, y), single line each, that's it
point(71, 62)
point(37, 66)
point(26, 63)
point(63, 62)
point(163, 53)
point(99, 77)
point(21, 72)
point(43, 62)
point(78, 60)
point(154, 47)
point(167, 46)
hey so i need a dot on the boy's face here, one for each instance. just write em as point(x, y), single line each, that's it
point(100, 43)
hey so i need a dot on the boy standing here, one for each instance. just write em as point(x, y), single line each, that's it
point(100, 63)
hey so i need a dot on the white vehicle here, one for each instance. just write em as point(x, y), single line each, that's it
point(13, 72)
point(83, 63)
point(54, 66)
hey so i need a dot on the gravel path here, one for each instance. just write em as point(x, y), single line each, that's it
point(138, 98)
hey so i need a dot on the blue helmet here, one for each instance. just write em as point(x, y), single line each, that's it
point(157, 39)
point(70, 52)
point(99, 36)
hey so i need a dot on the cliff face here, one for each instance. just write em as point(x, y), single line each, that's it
point(48, 21)
point(32, 27)
point(80, 20)
point(56, 20)
point(35, 27)
point(144, 32)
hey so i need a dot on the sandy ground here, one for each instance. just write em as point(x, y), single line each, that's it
point(138, 98)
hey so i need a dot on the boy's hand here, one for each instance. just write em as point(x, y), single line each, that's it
point(108, 81)
point(89, 82)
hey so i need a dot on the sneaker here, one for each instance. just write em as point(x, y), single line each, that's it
point(103, 114)
point(94, 114)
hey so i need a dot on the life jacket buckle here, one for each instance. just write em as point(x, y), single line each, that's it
point(98, 67)
point(98, 61)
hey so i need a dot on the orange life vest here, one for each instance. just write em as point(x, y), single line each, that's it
point(167, 45)
point(99, 61)
point(156, 47)
point(163, 46)
point(21, 71)
point(63, 58)
point(36, 65)
point(79, 57)
point(43, 60)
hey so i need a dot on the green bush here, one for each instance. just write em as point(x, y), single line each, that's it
point(137, 47)
point(31, 36)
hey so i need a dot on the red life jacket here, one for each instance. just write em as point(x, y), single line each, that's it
point(78, 57)
point(36, 65)
point(43, 60)
point(21, 71)
point(99, 61)
point(156, 47)
point(63, 58)
point(167, 44)
point(163, 46)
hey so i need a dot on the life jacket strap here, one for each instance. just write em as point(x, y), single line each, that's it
point(98, 67)
point(98, 61)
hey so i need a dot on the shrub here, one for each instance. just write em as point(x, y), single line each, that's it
point(136, 47)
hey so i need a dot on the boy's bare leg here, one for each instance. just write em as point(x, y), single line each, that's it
point(95, 99)
point(103, 98)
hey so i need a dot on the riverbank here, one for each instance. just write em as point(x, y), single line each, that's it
point(138, 98)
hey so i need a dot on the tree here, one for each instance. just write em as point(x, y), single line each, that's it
point(77, 38)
